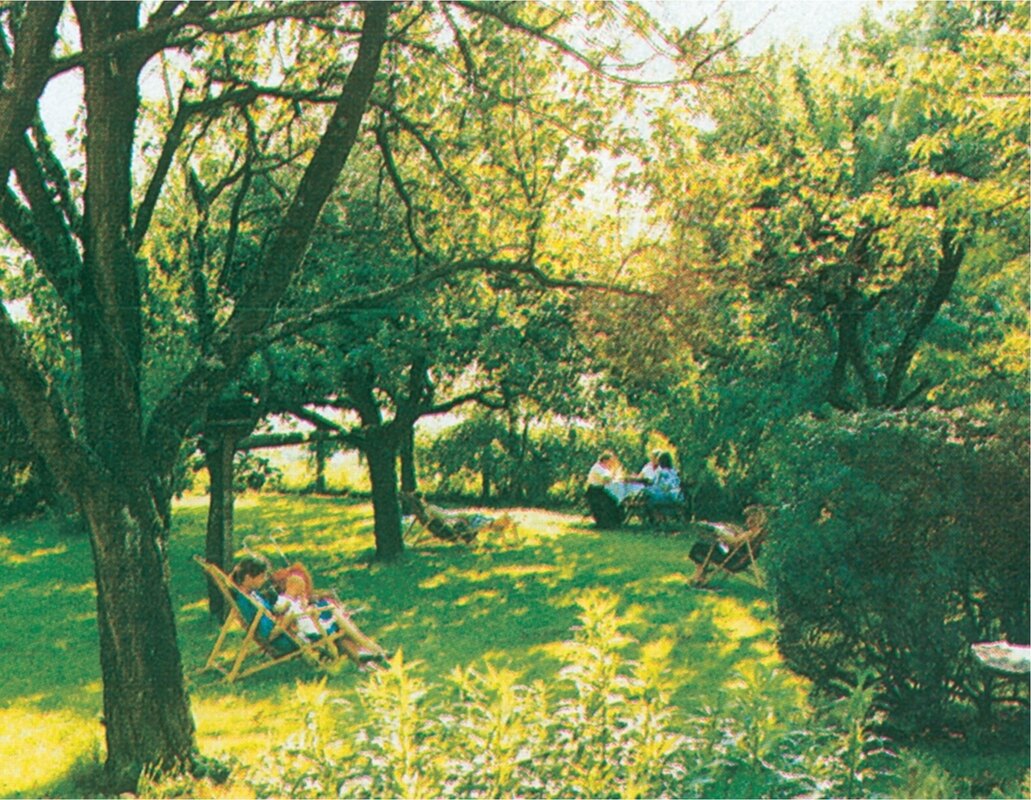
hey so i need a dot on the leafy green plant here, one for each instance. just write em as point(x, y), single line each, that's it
point(603, 727)
point(894, 549)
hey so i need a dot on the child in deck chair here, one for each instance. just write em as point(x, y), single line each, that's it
point(316, 617)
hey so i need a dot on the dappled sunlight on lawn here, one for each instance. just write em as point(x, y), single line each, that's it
point(483, 575)
point(243, 724)
point(737, 619)
point(36, 746)
point(513, 601)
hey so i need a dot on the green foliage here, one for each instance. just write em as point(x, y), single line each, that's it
point(900, 540)
point(25, 485)
point(602, 726)
point(849, 228)
point(522, 459)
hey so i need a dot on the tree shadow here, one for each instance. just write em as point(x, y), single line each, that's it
point(512, 603)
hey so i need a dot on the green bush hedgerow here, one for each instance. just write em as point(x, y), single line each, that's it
point(899, 539)
point(604, 727)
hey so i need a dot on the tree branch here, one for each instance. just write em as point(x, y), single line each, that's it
point(237, 338)
point(26, 77)
point(42, 411)
point(375, 300)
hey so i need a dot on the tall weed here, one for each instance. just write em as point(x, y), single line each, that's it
point(603, 727)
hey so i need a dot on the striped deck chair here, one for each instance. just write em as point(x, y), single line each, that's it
point(265, 642)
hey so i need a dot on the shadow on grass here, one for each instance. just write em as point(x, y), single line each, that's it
point(451, 605)
point(446, 605)
point(50, 693)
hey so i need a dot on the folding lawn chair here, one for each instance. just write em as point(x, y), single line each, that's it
point(265, 642)
point(447, 527)
point(730, 549)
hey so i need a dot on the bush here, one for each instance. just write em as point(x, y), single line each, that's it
point(540, 464)
point(899, 540)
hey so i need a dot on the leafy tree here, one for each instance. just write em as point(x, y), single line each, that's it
point(847, 228)
point(108, 450)
point(863, 188)
point(159, 244)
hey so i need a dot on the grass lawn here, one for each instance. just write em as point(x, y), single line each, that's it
point(506, 602)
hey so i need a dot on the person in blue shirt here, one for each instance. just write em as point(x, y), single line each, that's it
point(664, 491)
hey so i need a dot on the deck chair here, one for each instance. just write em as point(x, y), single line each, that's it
point(730, 549)
point(447, 527)
point(265, 643)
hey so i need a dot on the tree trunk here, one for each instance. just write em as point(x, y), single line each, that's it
point(486, 472)
point(409, 477)
point(386, 506)
point(320, 466)
point(218, 544)
point(953, 251)
point(147, 716)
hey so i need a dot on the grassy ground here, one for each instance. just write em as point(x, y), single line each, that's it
point(507, 602)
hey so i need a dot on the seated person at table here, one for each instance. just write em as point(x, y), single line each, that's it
point(604, 470)
point(604, 506)
point(664, 491)
point(649, 470)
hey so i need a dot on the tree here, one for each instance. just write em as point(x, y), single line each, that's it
point(154, 312)
point(846, 228)
point(117, 460)
point(852, 195)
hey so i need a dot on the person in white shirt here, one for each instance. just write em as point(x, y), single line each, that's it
point(604, 470)
point(649, 470)
point(601, 480)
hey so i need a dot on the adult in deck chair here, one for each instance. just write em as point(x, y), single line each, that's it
point(730, 548)
point(453, 526)
point(266, 637)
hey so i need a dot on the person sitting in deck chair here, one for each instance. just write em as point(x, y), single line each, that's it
point(734, 548)
point(452, 525)
point(313, 618)
point(251, 574)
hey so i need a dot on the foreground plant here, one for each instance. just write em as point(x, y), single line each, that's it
point(604, 727)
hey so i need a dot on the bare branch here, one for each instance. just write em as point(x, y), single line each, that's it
point(399, 186)
point(499, 12)
point(375, 300)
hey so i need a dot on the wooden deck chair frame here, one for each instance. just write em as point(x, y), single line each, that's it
point(321, 652)
point(747, 544)
point(436, 524)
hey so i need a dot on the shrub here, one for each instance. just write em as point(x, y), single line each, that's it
point(541, 464)
point(899, 540)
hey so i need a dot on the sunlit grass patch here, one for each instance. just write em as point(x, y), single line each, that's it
point(510, 603)
point(38, 746)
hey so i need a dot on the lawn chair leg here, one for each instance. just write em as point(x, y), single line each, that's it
point(245, 649)
point(705, 567)
point(213, 656)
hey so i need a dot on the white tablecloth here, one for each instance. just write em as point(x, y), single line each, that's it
point(621, 490)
